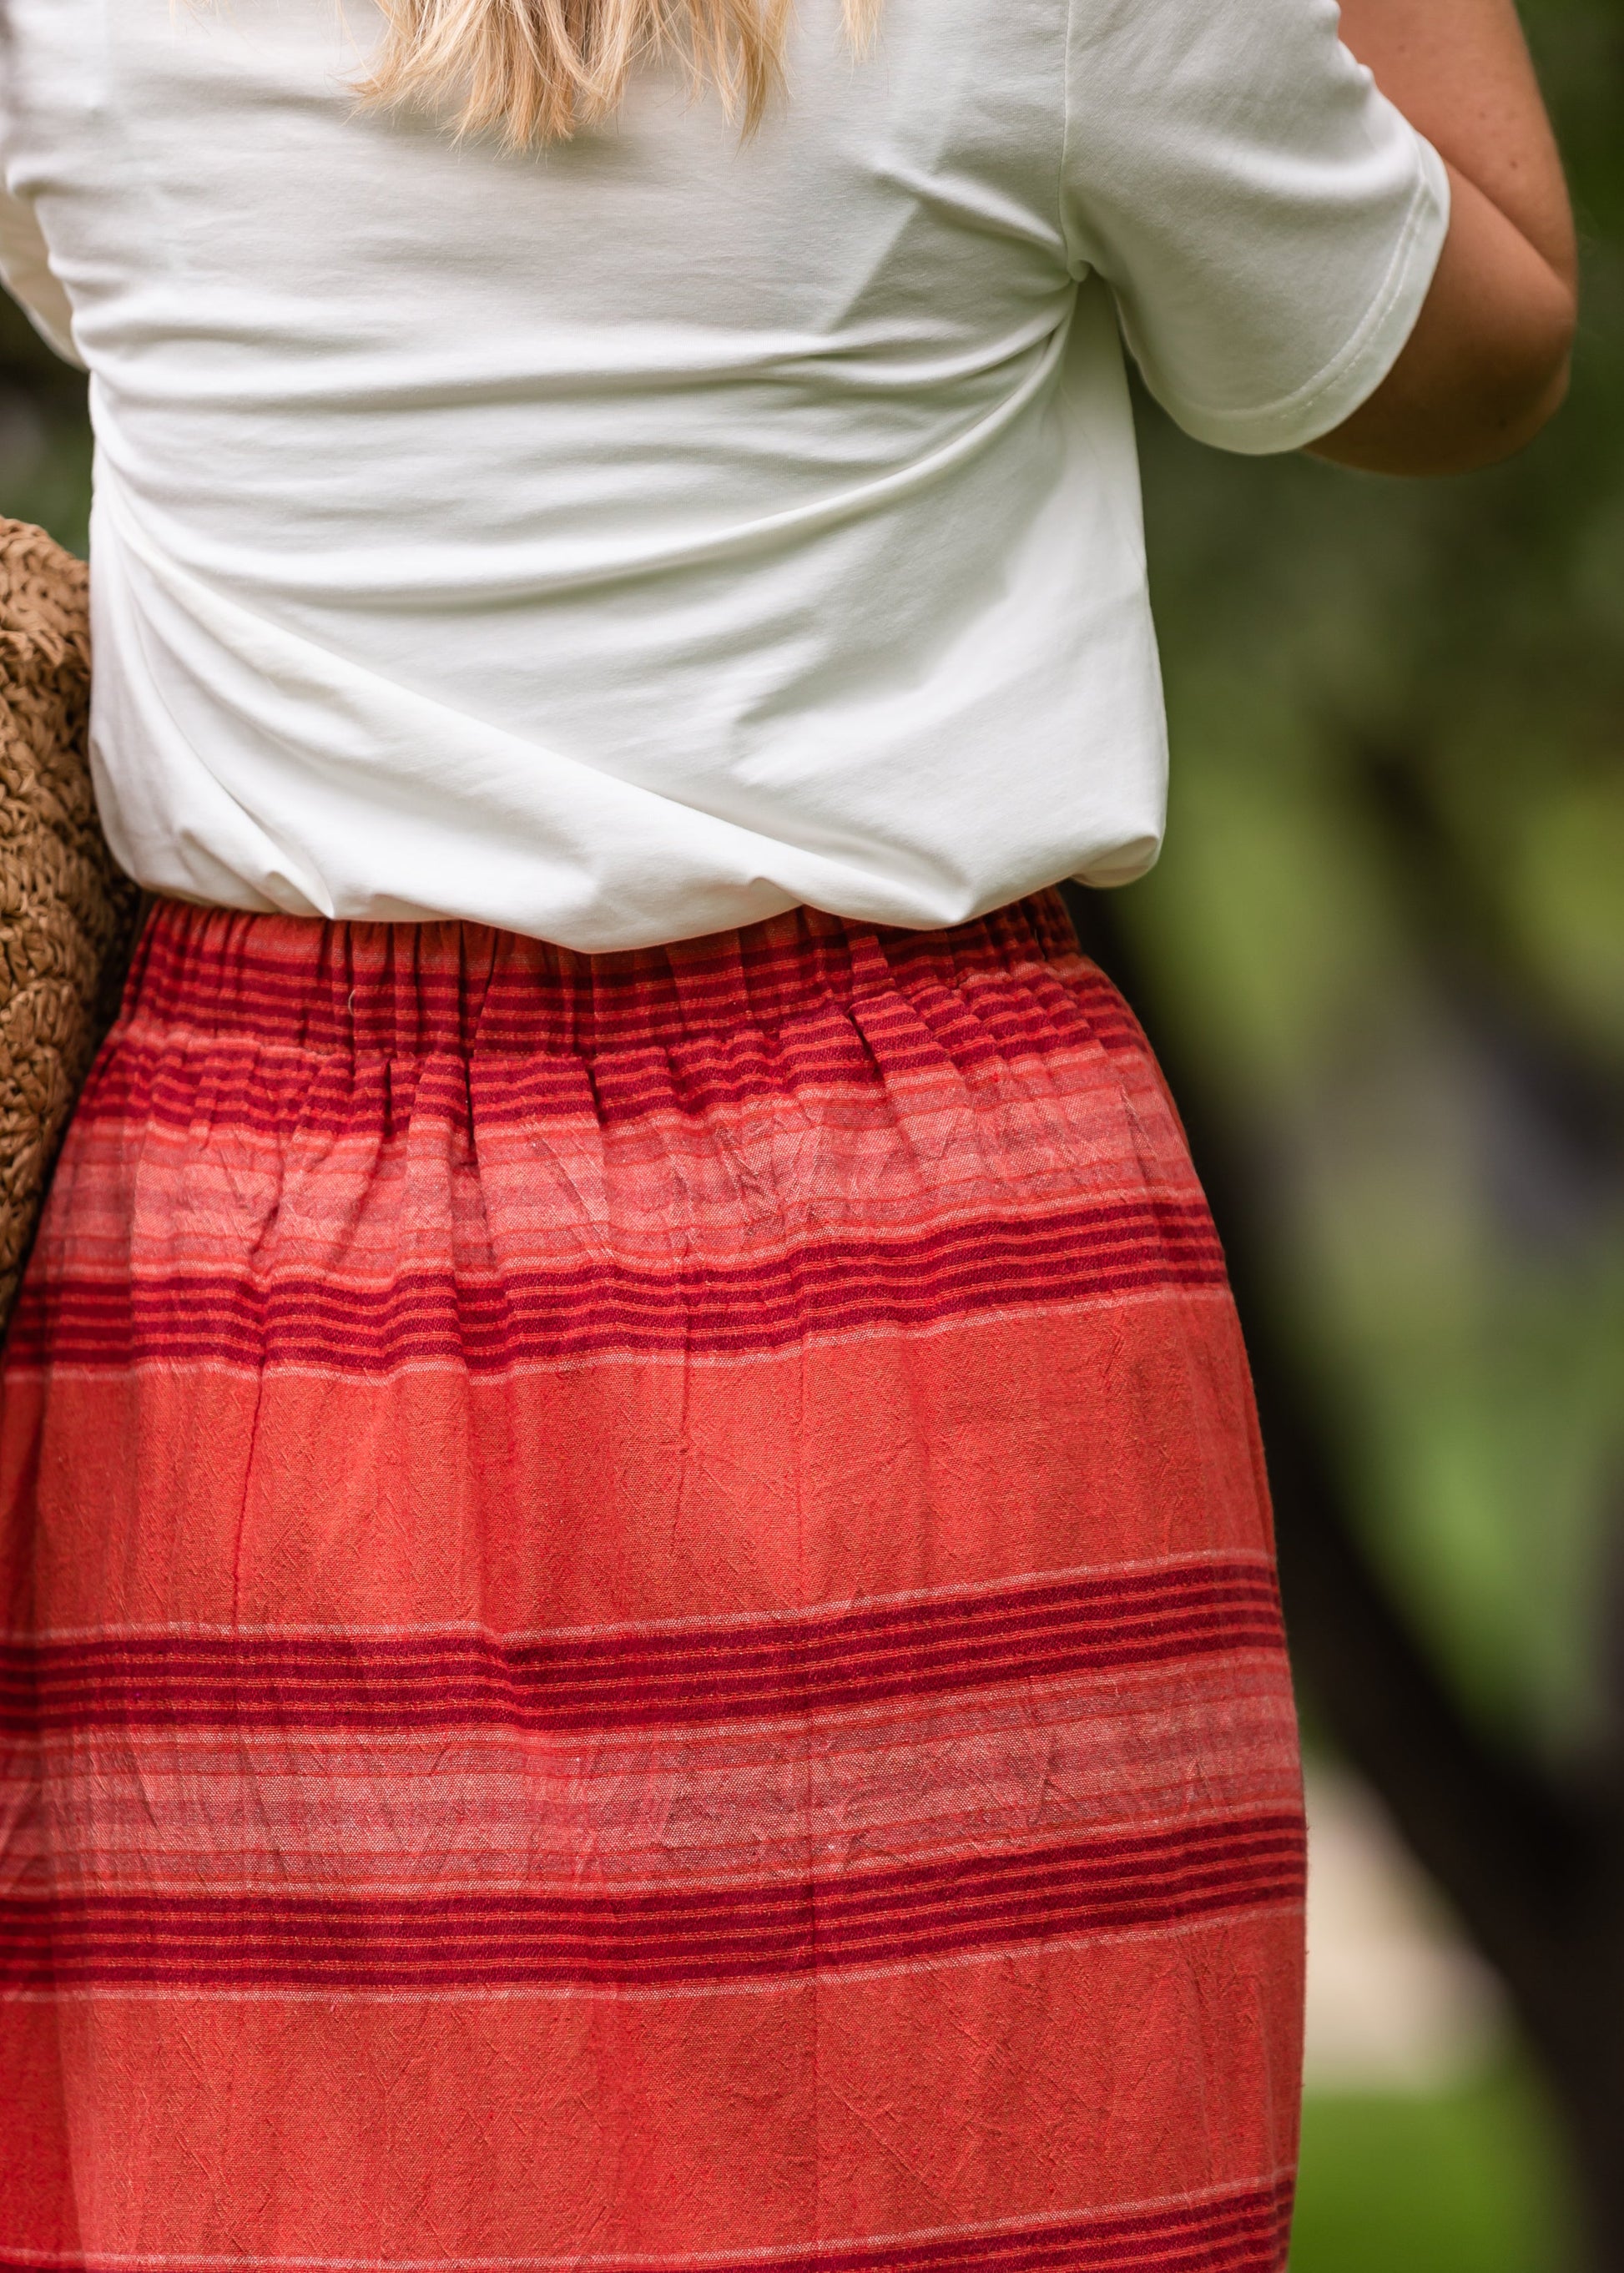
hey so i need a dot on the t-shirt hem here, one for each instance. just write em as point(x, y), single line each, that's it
point(1354, 373)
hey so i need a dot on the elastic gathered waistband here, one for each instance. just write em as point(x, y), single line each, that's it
point(402, 989)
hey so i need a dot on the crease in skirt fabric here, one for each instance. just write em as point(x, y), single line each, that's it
point(639, 1626)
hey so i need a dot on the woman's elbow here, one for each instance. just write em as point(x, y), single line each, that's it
point(1514, 397)
point(1485, 367)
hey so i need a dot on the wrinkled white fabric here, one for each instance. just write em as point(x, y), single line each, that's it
point(642, 537)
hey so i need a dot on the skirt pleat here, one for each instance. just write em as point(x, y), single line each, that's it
point(639, 1624)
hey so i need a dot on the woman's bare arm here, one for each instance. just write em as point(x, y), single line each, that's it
point(1487, 362)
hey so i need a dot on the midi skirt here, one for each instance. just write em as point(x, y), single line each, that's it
point(639, 1626)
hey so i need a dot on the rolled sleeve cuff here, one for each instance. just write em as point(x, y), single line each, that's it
point(1357, 369)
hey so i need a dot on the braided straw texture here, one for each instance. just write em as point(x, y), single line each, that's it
point(67, 915)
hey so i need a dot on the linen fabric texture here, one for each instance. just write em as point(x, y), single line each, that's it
point(639, 1626)
point(645, 536)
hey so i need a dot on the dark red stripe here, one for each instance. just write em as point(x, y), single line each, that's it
point(250, 1088)
point(294, 1004)
point(400, 988)
point(382, 1707)
point(1242, 2230)
point(545, 1315)
point(811, 1661)
point(1027, 1647)
point(1105, 1884)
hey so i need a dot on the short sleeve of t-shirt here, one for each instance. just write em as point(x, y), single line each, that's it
point(1268, 222)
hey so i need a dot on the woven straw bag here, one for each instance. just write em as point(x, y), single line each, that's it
point(67, 913)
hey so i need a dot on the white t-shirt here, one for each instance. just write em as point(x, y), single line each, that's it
point(647, 535)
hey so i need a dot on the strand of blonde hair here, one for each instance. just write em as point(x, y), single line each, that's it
point(534, 70)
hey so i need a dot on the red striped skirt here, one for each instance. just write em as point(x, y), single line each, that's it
point(639, 1626)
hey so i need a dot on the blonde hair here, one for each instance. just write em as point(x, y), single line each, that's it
point(533, 71)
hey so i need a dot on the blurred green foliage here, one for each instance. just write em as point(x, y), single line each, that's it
point(44, 440)
point(1465, 2182)
point(1389, 924)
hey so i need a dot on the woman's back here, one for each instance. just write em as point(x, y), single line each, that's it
point(651, 532)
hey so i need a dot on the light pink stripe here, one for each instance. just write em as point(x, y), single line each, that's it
point(561, 1190)
point(142, 1810)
